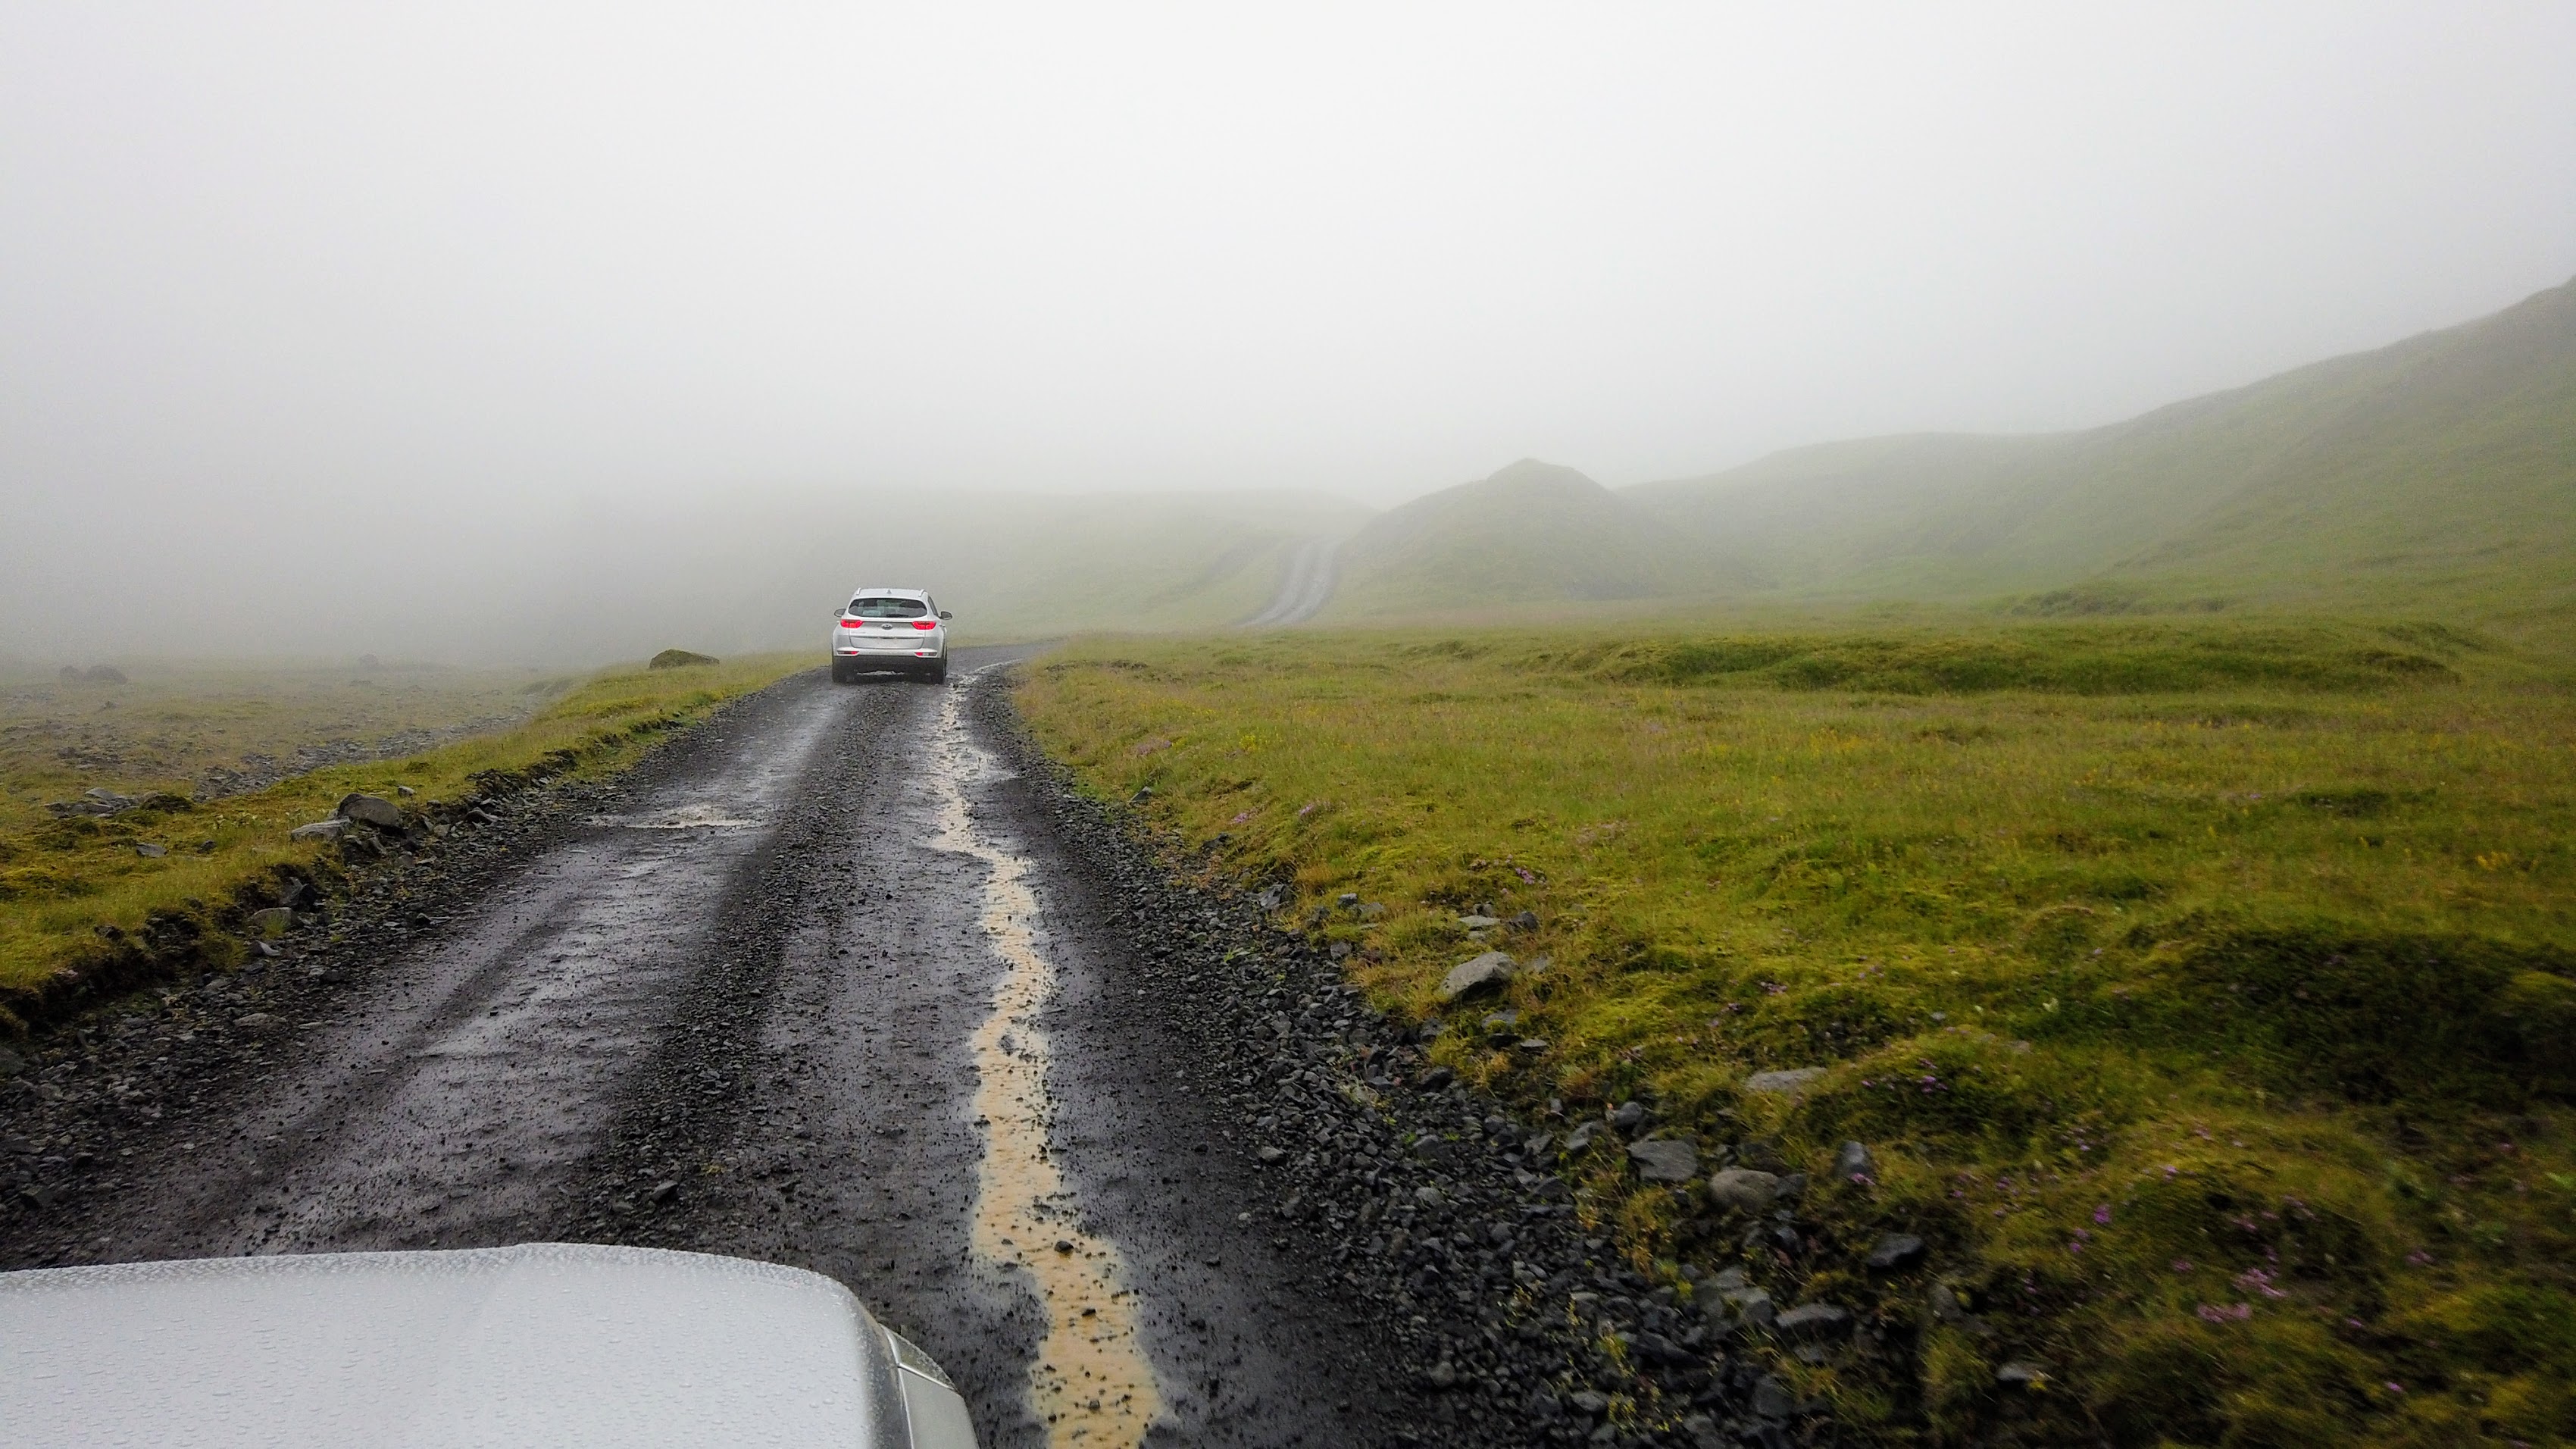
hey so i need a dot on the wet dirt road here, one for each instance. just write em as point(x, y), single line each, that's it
point(815, 985)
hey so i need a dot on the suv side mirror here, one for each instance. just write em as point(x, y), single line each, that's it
point(946, 615)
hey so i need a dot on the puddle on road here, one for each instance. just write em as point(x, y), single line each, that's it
point(693, 817)
point(1091, 1385)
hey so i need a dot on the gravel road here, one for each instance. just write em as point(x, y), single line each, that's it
point(847, 978)
point(1304, 589)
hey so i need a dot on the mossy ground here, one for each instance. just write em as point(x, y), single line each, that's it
point(174, 726)
point(61, 880)
point(2204, 988)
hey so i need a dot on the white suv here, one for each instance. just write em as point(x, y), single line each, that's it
point(553, 1344)
point(890, 629)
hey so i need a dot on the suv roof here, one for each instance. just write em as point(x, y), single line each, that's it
point(548, 1343)
point(883, 592)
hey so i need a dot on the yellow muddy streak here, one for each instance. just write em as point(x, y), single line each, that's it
point(1091, 1385)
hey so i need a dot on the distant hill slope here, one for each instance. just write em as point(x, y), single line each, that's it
point(2438, 473)
point(2442, 468)
point(1534, 532)
point(765, 570)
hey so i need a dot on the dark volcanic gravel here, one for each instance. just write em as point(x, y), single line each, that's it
point(760, 1050)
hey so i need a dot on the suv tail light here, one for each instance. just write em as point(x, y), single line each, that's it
point(925, 623)
point(854, 623)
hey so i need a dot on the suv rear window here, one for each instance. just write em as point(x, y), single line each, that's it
point(888, 608)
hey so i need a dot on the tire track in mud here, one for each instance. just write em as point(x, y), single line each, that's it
point(704, 1074)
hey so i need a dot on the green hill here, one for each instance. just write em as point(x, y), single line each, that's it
point(2438, 473)
point(1533, 533)
point(2438, 470)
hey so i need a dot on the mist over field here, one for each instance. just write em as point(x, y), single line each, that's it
point(483, 333)
point(1660, 724)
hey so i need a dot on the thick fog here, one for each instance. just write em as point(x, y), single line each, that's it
point(542, 330)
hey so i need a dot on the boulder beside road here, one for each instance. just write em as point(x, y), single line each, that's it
point(1665, 1160)
point(1478, 973)
point(1790, 1082)
point(1743, 1189)
point(1814, 1322)
point(373, 810)
point(97, 800)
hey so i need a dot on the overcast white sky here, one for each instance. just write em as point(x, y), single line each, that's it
point(380, 264)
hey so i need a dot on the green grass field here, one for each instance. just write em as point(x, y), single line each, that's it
point(161, 738)
point(2204, 989)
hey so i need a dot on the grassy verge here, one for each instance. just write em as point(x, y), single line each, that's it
point(78, 896)
point(203, 730)
point(2203, 990)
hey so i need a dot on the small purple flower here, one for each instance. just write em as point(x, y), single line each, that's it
point(2102, 1215)
point(2258, 1281)
point(2182, 1265)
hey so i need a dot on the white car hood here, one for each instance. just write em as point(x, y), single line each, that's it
point(543, 1345)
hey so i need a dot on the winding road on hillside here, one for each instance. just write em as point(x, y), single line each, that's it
point(817, 984)
point(1305, 589)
